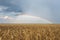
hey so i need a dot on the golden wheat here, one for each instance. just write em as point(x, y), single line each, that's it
point(29, 32)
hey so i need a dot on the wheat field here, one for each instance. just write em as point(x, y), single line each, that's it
point(29, 32)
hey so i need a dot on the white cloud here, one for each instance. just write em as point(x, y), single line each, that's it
point(28, 19)
point(6, 17)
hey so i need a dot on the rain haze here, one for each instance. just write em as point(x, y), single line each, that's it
point(12, 9)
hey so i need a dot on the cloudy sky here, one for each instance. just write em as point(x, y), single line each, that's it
point(47, 9)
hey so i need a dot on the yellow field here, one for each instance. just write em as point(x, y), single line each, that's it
point(29, 32)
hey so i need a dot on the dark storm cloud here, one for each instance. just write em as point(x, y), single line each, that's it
point(11, 7)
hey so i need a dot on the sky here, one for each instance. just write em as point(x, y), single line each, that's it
point(47, 9)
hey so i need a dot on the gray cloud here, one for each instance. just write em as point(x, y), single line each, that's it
point(11, 6)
